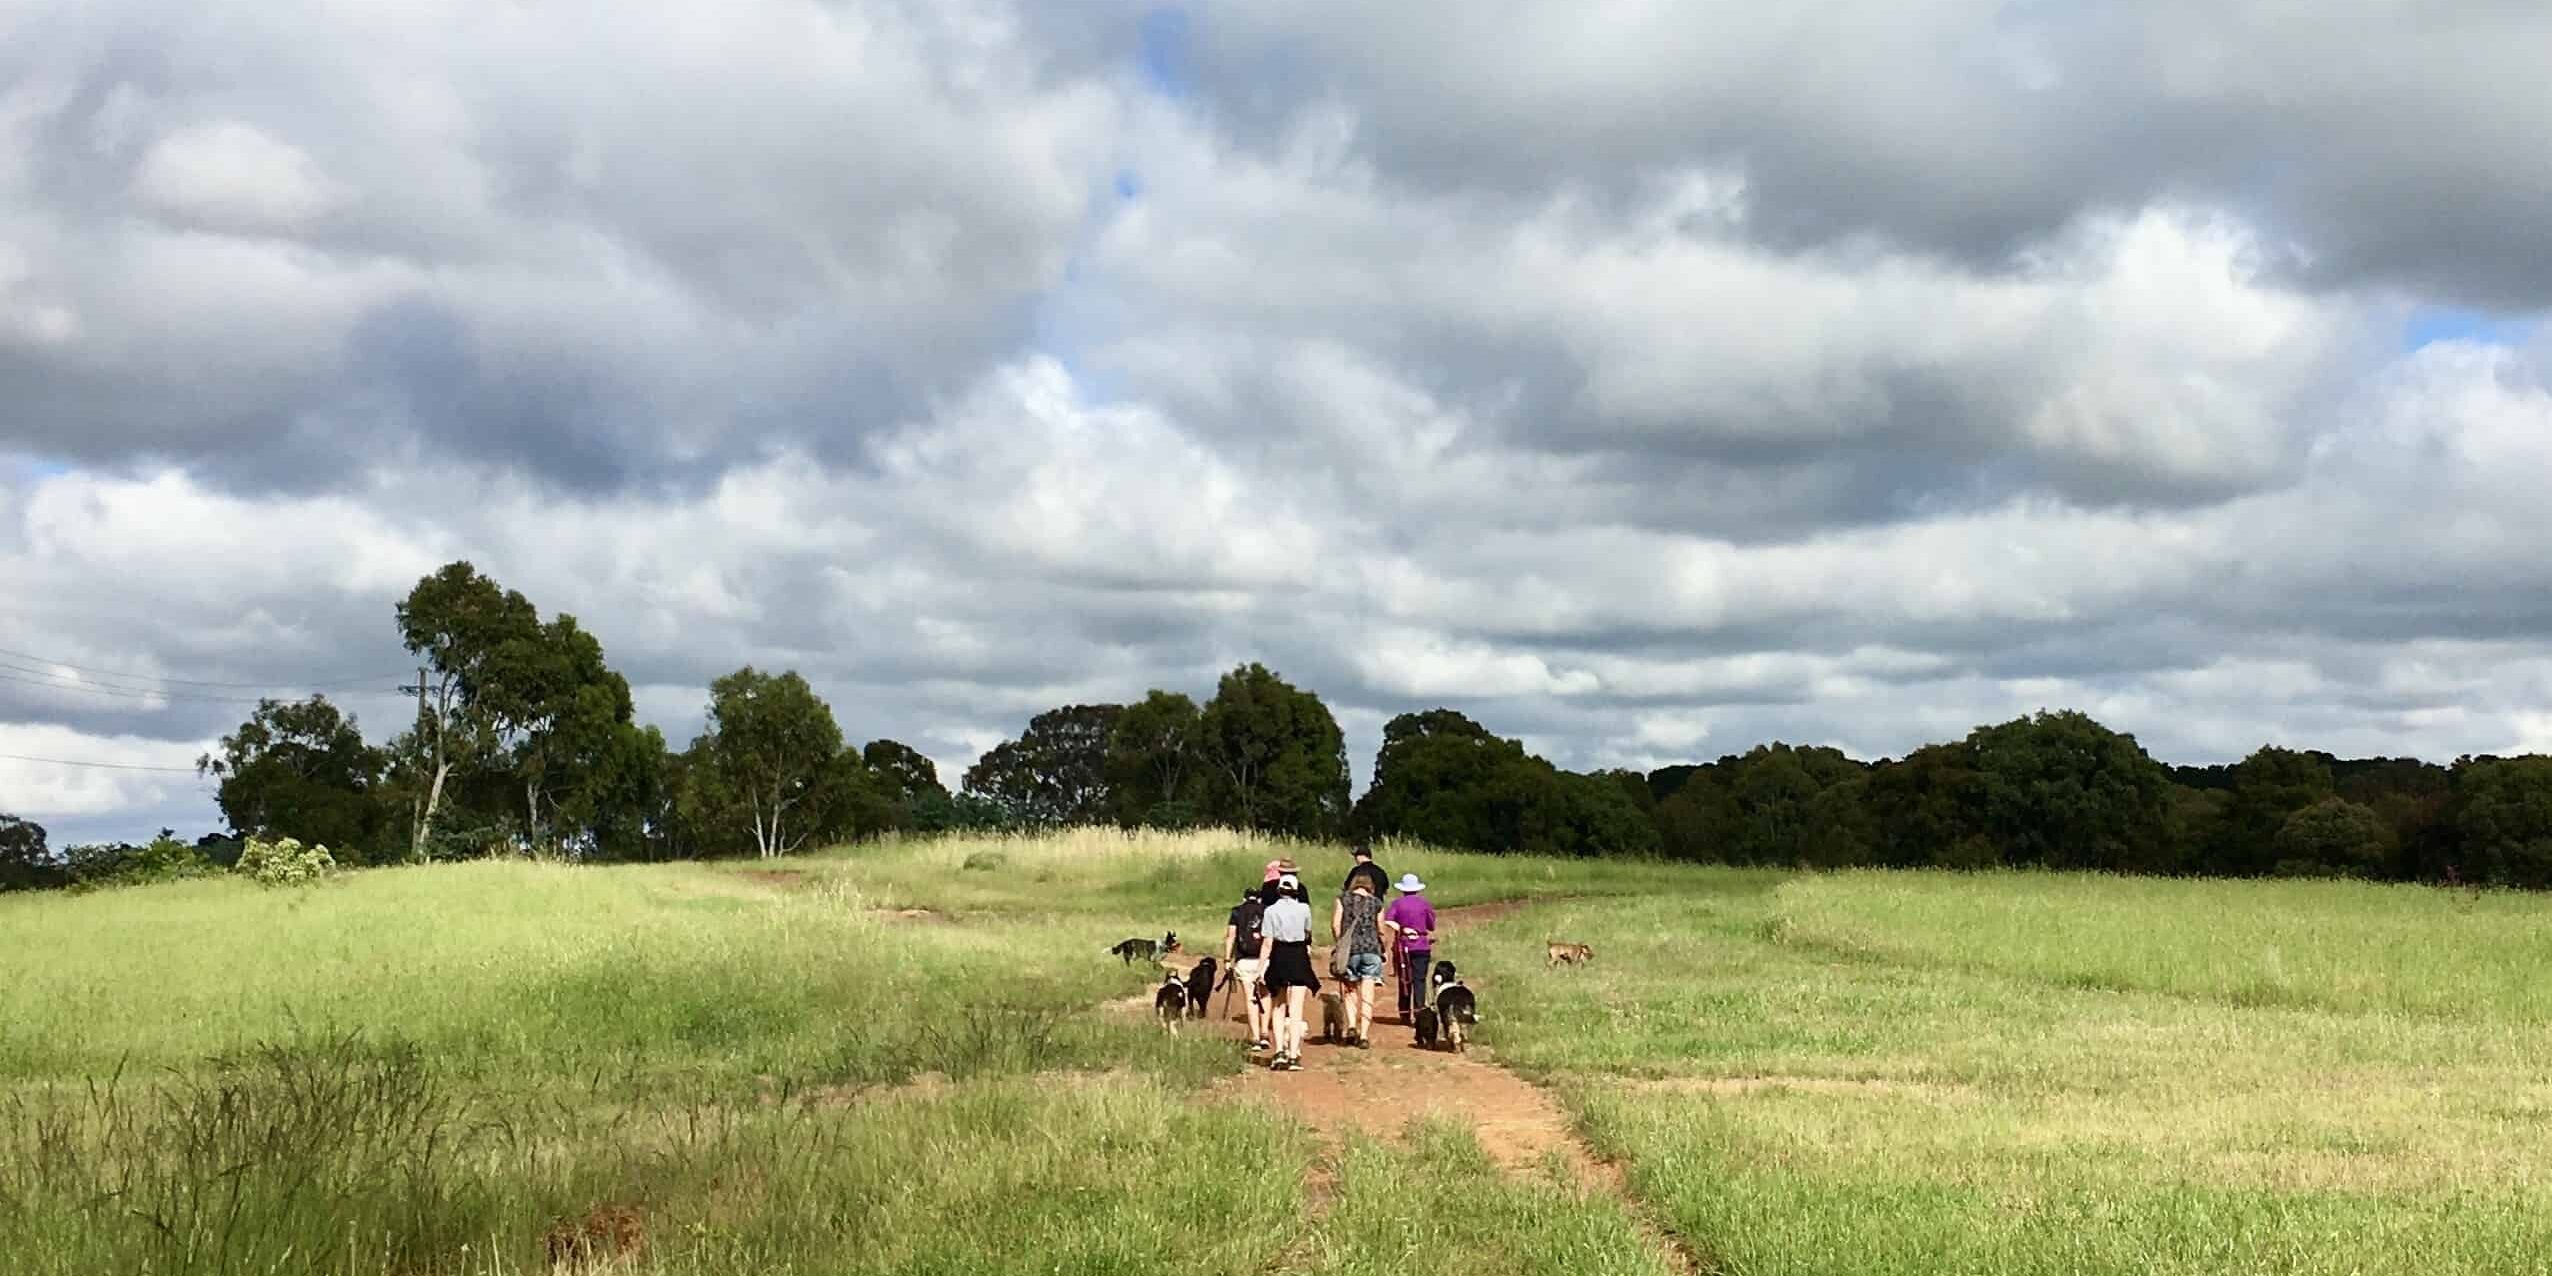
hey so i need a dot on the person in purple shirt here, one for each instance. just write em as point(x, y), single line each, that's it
point(1411, 921)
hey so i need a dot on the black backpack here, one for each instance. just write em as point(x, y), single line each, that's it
point(1245, 929)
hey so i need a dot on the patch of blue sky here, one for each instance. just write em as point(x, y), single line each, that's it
point(1163, 51)
point(2431, 324)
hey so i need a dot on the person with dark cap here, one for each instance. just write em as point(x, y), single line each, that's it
point(1241, 959)
point(1376, 880)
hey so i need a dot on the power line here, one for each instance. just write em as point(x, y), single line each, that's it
point(322, 685)
point(102, 766)
point(134, 693)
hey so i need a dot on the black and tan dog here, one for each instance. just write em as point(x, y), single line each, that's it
point(1169, 1001)
point(1569, 953)
point(1200, 986)
point(1127, 950)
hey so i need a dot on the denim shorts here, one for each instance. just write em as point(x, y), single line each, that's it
point(1364, 966)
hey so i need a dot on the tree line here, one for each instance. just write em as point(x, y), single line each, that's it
point(524, 742)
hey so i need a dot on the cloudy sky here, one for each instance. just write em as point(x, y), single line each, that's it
point(1647, 379)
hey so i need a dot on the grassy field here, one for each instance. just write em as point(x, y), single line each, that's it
point(426, 1070)
point(1916, 1073)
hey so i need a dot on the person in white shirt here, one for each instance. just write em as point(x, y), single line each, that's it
point(1285, 945)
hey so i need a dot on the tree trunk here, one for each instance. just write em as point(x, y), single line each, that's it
point(425, 821)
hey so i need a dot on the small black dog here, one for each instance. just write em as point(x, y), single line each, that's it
point(1426, 1022)
point(1169, 1002)
point(1200, 986)
point(1456, 1011)
point(1129, 949)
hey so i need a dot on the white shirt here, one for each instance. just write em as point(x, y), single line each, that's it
point(1287, 921)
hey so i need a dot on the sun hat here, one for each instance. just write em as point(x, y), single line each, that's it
point(1410, 882)
point(1289, 882)
point(1275, 869)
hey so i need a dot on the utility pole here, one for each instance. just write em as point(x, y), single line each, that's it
point(418, 691)
point(425, 806)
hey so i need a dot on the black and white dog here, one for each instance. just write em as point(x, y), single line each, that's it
point(1127, 950)
point(1429, 1026)
point(1456, 1012)
point(1449, 1020)
point(1169, 1001)
point(1200, 986)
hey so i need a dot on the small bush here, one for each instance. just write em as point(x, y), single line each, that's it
point(285, 862)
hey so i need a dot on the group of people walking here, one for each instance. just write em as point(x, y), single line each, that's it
point(1267, 948)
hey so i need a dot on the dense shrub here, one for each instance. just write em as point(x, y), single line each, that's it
point(2332, 838)
point(25, 862)
point(162, 859)
point(285, 862)
point(2505, 820)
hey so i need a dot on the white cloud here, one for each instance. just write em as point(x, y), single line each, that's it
point(47, 791)
point(228, 175)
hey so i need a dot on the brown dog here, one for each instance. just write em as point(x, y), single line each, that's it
point(1333, 1017)
point(1570, 953)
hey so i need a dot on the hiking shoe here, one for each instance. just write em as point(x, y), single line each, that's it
point(1263, 1046)
point(1364, 1043)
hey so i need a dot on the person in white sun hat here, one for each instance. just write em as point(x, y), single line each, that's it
point(1410, 924)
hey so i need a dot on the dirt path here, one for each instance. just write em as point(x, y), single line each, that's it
point(1379, 1090)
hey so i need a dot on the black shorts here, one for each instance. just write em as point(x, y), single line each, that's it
point(1289, 966)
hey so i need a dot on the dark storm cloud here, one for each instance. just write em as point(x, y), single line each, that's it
point(2394, 142)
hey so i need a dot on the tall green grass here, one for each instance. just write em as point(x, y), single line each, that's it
point(529, 972)
point(262, 1172)
point(2340, 945)
point(419, 1070)
point(776, 1071)
point(1195, 876)
point(1884, 1073)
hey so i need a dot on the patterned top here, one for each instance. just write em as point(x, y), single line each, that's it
point(1358, 931)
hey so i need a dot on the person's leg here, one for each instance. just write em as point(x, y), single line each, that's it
point(1290, 1039)
point(1365, 976)
point(1249, 974)
point(1413, 982)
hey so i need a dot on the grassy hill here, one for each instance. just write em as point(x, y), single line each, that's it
point(774, 1068)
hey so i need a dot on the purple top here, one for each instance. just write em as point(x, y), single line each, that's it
point(1413, 912)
